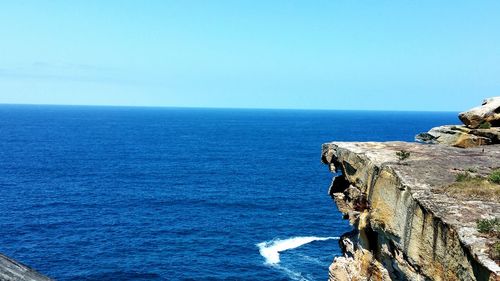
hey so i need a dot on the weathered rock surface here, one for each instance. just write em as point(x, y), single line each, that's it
point(11, 270)
point(405, 227)
point(460, 136)
point(489, 111)
point(482, 127)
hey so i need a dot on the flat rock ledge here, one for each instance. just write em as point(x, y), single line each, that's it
point(11, 270)
point(460, 136)
point(405, 226)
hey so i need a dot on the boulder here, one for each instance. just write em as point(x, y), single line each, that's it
point(489, 111)
point(458, 136)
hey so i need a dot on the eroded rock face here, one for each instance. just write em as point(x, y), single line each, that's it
point(489, 111)
point(11, 270)
point(409, 229)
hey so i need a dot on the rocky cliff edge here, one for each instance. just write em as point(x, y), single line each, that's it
point(411, 220)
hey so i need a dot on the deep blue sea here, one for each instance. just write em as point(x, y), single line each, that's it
point(120, 193)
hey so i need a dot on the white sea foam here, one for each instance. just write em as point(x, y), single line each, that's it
point(270, 250)
point(296, 276)
point(311, 259)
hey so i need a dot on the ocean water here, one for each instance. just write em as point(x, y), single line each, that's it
point(117, 193)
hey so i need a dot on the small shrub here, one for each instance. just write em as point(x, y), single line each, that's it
point(495, 251)
point(489, 226)
point(402, 155)
point(495, 176)
point(485, 125)
point(465, 176)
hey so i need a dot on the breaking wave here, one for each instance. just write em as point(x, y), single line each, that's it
point(270, 250)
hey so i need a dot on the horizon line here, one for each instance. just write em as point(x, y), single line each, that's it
point(216, 107)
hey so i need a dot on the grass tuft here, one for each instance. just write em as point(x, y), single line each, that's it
point(485, 125)
point(495, 251)
point(494, 177)
point(464, 176)
point(489, 226)
point(468, 187)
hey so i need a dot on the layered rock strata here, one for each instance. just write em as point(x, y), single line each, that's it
point(405, 226)
point(11, 270)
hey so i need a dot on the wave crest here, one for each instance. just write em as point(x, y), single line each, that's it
point(270, 250)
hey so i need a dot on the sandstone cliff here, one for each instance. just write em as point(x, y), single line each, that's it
point(408, 222)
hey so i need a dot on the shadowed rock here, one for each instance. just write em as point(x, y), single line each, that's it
point(11, 270)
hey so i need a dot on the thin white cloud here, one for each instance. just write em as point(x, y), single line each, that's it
point(66, 71)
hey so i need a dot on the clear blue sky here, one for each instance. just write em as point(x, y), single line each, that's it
point(395, 55)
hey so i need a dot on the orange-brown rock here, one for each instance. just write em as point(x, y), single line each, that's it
point(488, 111)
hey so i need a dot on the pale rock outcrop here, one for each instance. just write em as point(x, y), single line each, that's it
point(460, 136)
point(489, 111)
point(482, 127)
point(11, 270)
point(405, 226)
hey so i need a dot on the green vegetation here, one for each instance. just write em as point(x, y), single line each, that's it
point(464, 176)
point(402, 155)
point(485, 125)
point(495, 176)
point(495, 251)
point(489, 226)
point(469, 186)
